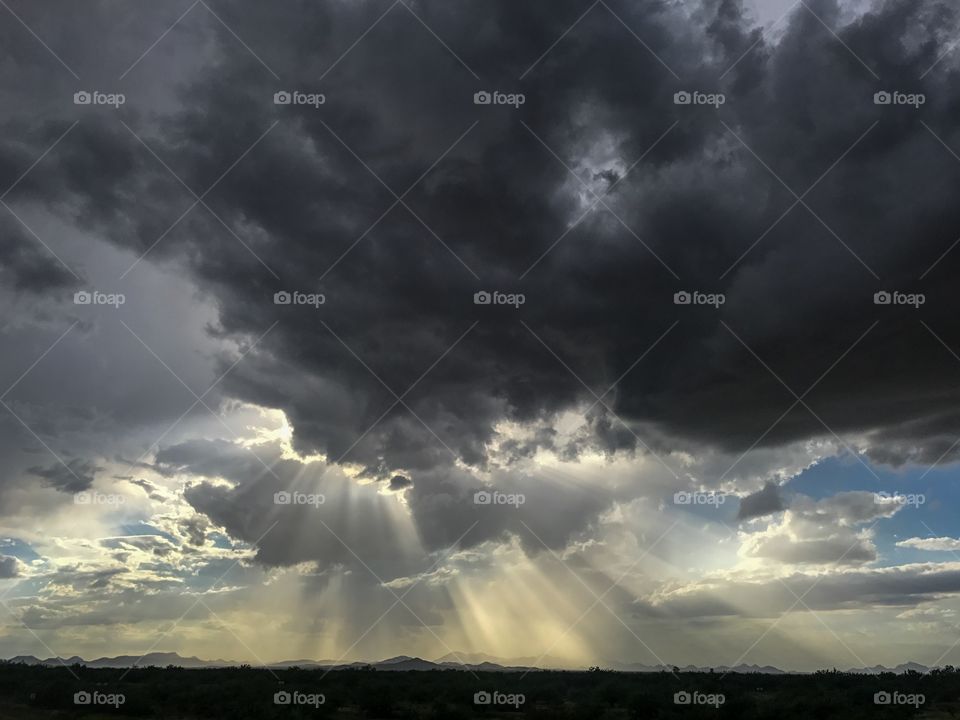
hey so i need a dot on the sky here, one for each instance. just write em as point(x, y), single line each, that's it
point(569, 333)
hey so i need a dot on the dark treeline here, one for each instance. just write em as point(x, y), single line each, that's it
point(49, 692)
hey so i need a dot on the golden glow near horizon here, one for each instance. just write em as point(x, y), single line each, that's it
point(648, 583)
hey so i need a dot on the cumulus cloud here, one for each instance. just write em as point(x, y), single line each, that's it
point(823, 532)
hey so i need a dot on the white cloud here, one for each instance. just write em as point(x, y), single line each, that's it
point(939, 544)
point(820, 532)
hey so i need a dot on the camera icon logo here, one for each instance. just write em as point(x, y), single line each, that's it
point(282, 98)
point(82, 98)
point(82, 498)
point(82, 698)
point(682, 698)
point(282, 298)
point(82, 298)
point(682, 98)
point(482, 98)
point(282, 498)
point(282, 698)
point(882, 698)
point(682, 498)
point(882, 98)
point(882, 298)
point(482, 698)
point(482, 298)
point(482, 497)
point(682, 298)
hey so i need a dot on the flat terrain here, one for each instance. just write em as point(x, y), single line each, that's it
point(47, 693)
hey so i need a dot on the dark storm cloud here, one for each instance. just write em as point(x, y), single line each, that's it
point(399, 300)
point(400, 296)
point(72, 477)
point(763, 502)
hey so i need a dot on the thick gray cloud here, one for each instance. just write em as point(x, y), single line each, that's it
point(26, 265)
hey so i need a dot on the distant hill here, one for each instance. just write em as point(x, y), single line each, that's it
point(125, 661)
point(477, 659)
point(899, 669)
point(452, 661)
point(640, 667)
point(400, 663)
